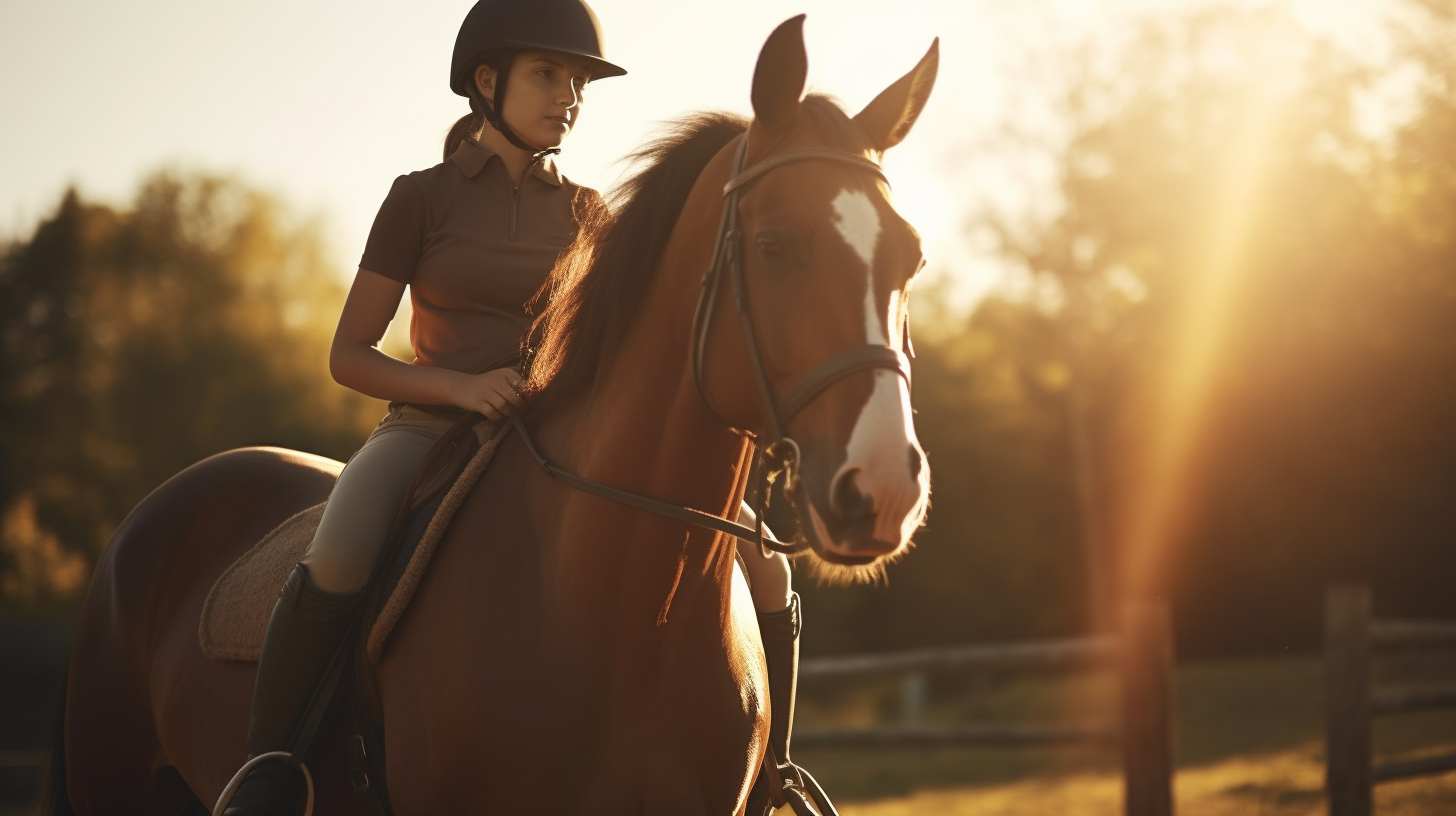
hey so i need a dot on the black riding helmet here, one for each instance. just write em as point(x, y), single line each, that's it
point(496, 26)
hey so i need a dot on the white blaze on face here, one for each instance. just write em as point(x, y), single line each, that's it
point(859, 224)
point(879, 447)
point(879, 453)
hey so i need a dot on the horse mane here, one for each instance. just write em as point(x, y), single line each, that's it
point(598, 285)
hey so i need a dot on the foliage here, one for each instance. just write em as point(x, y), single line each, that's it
point(999, 528)
point(1245, 307)
point(140, 340)
point(1215, 262)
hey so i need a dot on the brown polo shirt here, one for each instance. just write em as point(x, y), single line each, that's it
point(473, 250)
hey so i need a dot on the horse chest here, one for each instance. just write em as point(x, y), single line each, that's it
point(683, 717)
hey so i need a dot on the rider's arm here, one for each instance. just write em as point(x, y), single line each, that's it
point(356, 361)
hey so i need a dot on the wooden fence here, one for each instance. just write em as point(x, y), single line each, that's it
point(1351, 636)
point(1142, 655)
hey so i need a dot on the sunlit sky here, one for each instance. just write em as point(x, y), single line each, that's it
point(324, 103)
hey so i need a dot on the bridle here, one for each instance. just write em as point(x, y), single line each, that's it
point(778, 453)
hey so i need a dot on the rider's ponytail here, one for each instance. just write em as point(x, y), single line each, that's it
point(466, 127)
point(470, 125)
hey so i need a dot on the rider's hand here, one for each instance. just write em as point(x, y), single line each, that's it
point(490, 393)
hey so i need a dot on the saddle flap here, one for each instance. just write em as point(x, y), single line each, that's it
point(235, 615)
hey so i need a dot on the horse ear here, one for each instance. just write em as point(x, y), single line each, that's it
point(888, 119)
point(778, 79)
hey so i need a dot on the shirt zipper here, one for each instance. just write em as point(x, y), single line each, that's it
point(516, 193)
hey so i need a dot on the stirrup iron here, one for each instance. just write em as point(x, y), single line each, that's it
point(233, 784)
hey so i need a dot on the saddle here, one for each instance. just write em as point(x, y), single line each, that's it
point(235, 615)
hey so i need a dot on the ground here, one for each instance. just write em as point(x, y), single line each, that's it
point(1250, 742)
point(1288, 783)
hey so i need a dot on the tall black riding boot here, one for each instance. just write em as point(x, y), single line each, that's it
point(780, 633)
point(303, 634)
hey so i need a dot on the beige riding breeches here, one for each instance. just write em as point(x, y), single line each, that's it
point(365, 501)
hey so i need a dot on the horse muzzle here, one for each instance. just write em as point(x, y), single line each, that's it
point(870, 510)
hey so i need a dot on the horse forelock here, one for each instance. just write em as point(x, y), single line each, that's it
point(831, 126)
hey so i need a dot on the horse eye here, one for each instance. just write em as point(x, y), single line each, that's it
point(771, 247)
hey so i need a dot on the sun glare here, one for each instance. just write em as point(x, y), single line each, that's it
point(1161, 502)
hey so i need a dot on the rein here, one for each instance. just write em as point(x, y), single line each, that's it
point(637, 500)
point(780, 453)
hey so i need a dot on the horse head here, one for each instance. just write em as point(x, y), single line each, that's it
point(825, 266)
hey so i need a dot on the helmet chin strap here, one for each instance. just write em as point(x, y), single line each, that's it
point(482, 106)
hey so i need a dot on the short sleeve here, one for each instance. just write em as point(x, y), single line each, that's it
point(397, 237)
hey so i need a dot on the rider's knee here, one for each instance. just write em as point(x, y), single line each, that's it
point(770, 579)
point(337, 575)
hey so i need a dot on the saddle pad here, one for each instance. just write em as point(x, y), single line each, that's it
point(235, 615)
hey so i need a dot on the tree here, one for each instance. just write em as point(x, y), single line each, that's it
point(140, 340)
point(1263, 353)
point(1231, 364)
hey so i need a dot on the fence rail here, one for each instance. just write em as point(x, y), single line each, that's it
point(1401, 699)
point(1142, 655)
point(1405, 633)
point(961, 736)
point(1351, 635)
point(21, 759)
point(1046, 654)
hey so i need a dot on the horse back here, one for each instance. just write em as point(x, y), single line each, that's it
point(176, 542)
point(136, 662)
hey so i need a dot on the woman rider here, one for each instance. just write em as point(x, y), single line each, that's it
point(473, 238)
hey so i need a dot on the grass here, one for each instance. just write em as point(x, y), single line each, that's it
point(1249, 741)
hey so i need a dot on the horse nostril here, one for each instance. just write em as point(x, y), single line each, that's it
point(845, 498)
point(917, 461)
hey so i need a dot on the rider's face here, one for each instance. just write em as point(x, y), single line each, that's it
point(544, 96)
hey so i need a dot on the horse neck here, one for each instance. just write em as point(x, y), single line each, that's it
point(643, 427)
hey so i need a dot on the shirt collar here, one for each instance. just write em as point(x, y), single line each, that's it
point(472, 157)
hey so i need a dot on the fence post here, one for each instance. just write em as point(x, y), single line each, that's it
point(912, 698)
point(1145, 655)
point(1347, 700)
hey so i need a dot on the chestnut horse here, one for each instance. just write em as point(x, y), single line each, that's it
point(565, 653)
